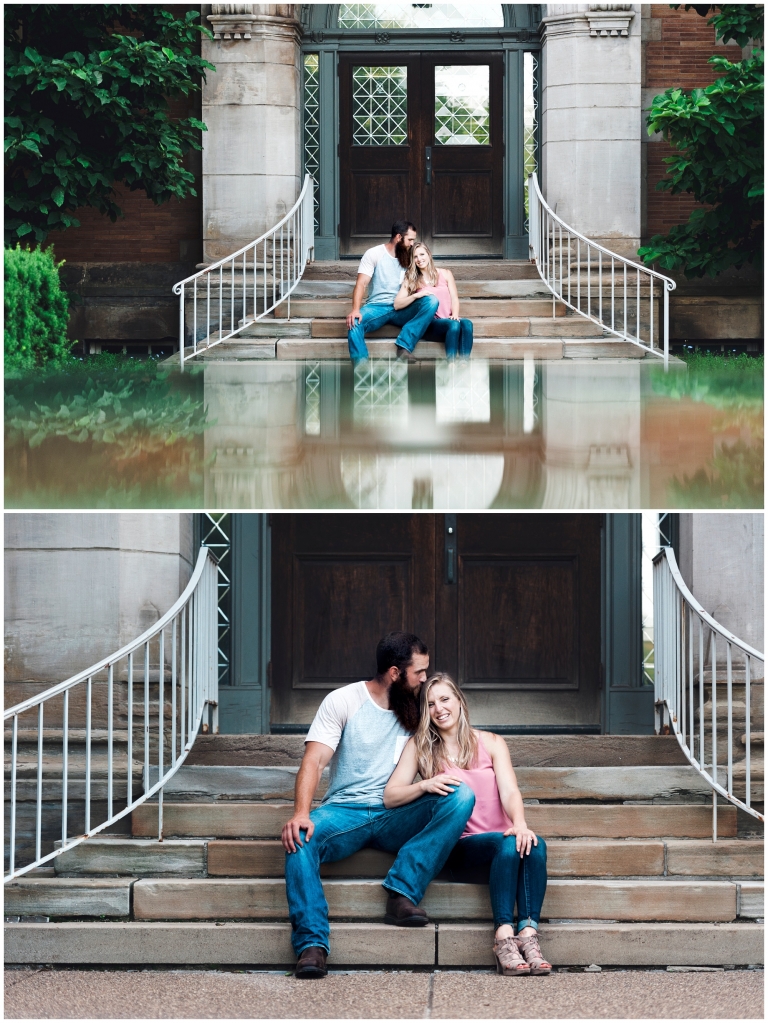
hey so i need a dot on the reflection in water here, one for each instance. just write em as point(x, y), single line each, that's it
point(558, 434)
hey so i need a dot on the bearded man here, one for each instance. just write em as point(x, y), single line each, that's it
point(383, 267)
point(361, 730)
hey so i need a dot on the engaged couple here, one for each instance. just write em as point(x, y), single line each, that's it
point(406, 289)
point(464, 813)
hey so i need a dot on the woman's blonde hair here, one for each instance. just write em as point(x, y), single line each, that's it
point(430, 748)
point(414, 277)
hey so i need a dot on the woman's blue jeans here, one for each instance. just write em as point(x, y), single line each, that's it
point(494, 860)
point(458, 336)
point(422, 833)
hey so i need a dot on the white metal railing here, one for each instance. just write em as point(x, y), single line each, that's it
point(690, 648)
point(616, 293)
point(218, 302)
point(179, 651)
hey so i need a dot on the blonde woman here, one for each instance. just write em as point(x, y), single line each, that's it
point(497, 842)
point(423, 277)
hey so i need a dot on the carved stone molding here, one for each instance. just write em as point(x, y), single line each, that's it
point(238, 21)
point(609, 19)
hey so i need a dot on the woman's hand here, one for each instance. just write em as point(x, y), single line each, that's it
point(525, 838)
point(441, 785)
point(455, 316)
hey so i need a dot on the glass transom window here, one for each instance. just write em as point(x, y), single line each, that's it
point(462, 104)
point(471, 15)
point(379, 106)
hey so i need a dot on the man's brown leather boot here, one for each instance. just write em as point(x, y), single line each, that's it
point(311, 964)
point(402, 913)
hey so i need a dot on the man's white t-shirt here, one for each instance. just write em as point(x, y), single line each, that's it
point(386, 275)
point(367, 741)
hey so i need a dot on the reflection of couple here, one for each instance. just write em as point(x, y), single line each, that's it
point(408, 290)
point(465, 812)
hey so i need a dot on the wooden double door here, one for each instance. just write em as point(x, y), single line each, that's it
point(509, 605)
point(421, 138)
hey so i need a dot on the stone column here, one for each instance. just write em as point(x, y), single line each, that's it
point(592, 120)
point(721, 560)
point(252, 108)
point(80, 586)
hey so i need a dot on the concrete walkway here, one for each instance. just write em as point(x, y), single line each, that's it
point(183, 994)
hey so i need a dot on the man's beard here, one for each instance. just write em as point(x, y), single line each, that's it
point(405, 704)
point(403, 254)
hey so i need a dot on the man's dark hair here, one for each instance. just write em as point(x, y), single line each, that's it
point(401, 227)
point(396, 650)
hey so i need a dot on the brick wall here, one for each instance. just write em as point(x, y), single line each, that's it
point(678, 46)
point(146, 234)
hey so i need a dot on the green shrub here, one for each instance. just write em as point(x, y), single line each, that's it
point(36, 309)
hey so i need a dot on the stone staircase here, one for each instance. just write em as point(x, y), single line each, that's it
point(635, 879)
point(512, 311)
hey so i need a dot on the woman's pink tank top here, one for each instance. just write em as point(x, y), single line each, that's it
point(443, 295)
point(488, 814)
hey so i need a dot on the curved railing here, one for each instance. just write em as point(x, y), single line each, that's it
point(218, 302)
point(688, 645)
point(178, 653)
point(615, 293)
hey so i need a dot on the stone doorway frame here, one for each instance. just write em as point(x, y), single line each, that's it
point(321, 35)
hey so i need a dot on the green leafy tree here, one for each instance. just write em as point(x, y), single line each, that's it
point(36, 310)
point(717, 133)
point(86, 105)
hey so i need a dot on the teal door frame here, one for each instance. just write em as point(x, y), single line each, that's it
point(322, 36)
point(244, 704)
point(627, 703)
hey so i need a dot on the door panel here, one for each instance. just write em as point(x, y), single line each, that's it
point(515, 618)
point(339, 583)
point(418, 140)
point(534, 602)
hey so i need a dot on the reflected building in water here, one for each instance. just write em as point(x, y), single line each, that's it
point(471, 435)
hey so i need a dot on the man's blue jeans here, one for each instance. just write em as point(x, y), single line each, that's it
point(414, 320)
point(458, 334)
point(493, 859)
point(422, 833)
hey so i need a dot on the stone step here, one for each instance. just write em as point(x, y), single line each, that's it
point(68, 896)
point(198, 784)
point(499, 349)
point(473, 308)
point(377, 945)
point(462, 270)
point(526, 750)
point(251, 820)
point(266, 858)
point(466, 289)
point(490, 326)
point(264, 899)
point(135, 857)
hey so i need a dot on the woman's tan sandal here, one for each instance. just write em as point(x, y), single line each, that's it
point(509, 962)
point(529, 947)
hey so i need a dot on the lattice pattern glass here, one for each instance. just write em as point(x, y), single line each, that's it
point(462, 392)
point(380, 106)
point(381, 394)
point(462, 104)
point(530, 121)
point(471, 15)
point(312, 122)
point(312, 399)
point(216, 533)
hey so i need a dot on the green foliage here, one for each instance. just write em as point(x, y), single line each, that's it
point(731, 383)
point(36, 309)
point(139, 412)
point(738, 22)
point(718, 135)
point(86, 105)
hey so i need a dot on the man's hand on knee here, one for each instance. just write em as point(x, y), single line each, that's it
point(292, 831)
point(354, 316)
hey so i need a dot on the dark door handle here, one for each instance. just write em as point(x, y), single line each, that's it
point(428, 163)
